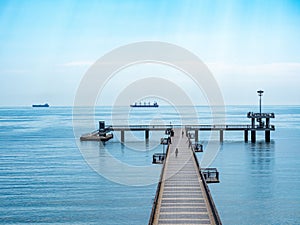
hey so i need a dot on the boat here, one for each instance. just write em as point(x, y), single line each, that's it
point(145, 105)
point(44, 105)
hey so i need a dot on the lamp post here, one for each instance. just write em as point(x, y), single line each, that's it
point(260, 92)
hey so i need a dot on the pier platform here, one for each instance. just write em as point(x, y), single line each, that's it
point(259, 122)
point(182, 196)
point(96, 136)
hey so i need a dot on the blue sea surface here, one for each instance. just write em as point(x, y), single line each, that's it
point(44, 179)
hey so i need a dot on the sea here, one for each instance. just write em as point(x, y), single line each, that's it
point(47, 176)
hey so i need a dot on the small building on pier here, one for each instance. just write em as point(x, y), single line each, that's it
point(260, 122)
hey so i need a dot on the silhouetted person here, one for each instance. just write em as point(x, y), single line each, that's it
point(176, 152)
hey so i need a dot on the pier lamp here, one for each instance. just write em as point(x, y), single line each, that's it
point(260, 92)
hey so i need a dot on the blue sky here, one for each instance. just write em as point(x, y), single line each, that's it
point(47, 46)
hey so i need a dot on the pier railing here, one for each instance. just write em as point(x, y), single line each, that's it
point(209, 197)
point(189, 127)
point(157, 191)
point(211, 175)
point(143, 127)
point(228, 127)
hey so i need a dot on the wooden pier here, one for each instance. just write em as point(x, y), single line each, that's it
point(182, 196)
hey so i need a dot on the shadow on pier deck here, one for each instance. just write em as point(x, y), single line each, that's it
point(182, 195)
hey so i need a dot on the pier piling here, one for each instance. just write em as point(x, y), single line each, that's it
point(253, 136)
point(267, 136)
point(122, 136)
point(246, 135)
point(196, 135)
point(147, 134)
point(221, 135)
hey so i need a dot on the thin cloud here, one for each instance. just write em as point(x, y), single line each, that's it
point(272, 69)
point(13, 71)
point(77, 63)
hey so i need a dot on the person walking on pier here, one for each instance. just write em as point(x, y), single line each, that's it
point(182, 133)
point(176, 152)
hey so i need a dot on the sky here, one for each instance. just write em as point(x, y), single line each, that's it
point(46, 47)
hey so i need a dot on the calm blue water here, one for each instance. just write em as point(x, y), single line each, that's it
point(45, 180)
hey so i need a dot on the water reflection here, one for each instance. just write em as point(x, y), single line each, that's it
point(261, 169)
point(262, 156)
point(120, 164)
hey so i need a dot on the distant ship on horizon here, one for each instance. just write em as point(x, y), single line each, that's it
point(144, 104)
point(43, 105)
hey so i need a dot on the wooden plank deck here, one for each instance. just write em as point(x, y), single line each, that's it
point(182, 197)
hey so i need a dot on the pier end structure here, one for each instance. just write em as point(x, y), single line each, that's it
point(261, 121)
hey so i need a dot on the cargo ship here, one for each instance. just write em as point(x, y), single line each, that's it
point(144, 104)
point(44, 105)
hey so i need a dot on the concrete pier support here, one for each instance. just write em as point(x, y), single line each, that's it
point(267, 122)
point(122, 136)
point(267, 136)
point(147, 134)
point(246, 135)
point(253, 136)
point(196, 135)
point(253, 123)
point(221, 135)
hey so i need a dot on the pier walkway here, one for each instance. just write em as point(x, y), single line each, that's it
point(182, 196)
point(253, 128)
